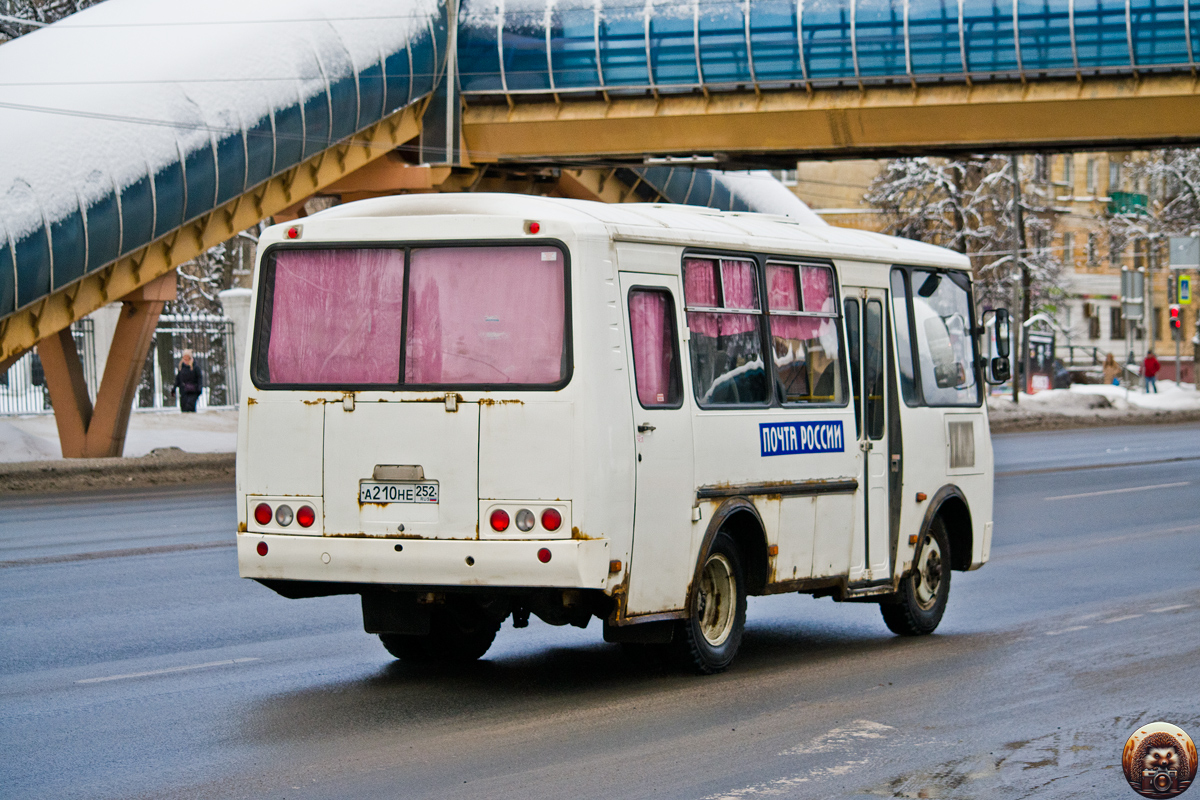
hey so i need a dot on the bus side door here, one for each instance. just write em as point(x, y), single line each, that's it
point(866, 328)
point(662, 564)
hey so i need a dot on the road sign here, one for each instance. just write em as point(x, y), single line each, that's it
point(1185, 290)
point(1185, 252)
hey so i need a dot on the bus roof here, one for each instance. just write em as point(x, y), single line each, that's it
point(691, 226)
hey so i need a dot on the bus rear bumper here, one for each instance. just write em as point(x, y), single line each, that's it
point(574, 564)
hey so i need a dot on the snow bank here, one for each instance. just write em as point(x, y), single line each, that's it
point(35, 438)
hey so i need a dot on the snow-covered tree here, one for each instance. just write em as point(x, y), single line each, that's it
point(19, 17)
point(966, 204)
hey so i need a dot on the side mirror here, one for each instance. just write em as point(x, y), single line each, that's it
point(1003, 332)
point(1000, 370)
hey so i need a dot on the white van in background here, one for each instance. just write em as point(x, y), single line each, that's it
point(470, 407)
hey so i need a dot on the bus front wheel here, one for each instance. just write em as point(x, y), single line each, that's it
point(709, 638)
point(917, 608)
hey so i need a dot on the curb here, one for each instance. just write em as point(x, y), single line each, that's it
point(162, 467)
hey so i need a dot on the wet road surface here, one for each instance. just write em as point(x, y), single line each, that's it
point(134, 663)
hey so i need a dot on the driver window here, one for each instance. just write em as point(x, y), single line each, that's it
point(945, 348)
point(723, 310)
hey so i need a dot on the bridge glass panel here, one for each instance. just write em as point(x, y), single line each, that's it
point(933, 37)
point(1100, 33)
point(137, 215)
point(370, 94)
point(69, 244)
point(827, 40)
point(1158, 35)
point(623, 47)
point(879, 33)
point(672, 47)
point(723, 44)
point(103, 232)
point(573, 44)
point(168, 196)
point(426, 65)
point(200, 172)
point(478, 57)
point(260, 146)
point(231, 166)
point(397, 81)
point(524, 52)
point(316, 121)
point(289, 137)
point(988, 29)
point(8, 289)
point(773, 39)
point(343, 96)
point(33, 266)
point(1045, 35)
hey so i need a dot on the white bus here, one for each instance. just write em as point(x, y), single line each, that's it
point(466, 408)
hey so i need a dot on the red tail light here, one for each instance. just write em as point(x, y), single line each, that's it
point(551, 519)
point(263, 514)
point(499, 520)
point(544, 555)
point(262, 548)
point(306, 516)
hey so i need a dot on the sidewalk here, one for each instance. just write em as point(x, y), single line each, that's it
point(1090, 404)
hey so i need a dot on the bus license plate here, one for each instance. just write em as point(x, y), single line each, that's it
point(371, 492)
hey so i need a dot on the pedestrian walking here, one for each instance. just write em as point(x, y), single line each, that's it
point(1150, 369)
point(189, 382)
point(1112, 371)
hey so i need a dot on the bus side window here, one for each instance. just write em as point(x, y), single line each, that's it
point(804, 333)
point(655, 348)
point(945, 348)
point(723, 310)
point(908, 385)
point(852, 345)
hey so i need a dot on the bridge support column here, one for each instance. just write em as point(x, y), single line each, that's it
point(98, 432)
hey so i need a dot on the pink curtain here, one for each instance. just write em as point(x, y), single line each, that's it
point(653, 351)
point(700, 289)
point(481, 315)
point(783, 295)
point(336, 317)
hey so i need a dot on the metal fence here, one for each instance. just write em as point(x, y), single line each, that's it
point(23, 387)
point(210, 338)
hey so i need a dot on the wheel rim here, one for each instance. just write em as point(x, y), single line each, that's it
point(716, 600)
point(927, 578)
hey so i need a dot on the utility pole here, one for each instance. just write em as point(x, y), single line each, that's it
point(1020, 302)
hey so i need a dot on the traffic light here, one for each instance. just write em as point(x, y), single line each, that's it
point(1176, 322)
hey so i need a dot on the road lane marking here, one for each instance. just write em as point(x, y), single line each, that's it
point(843, 737)
point(130, 551)
point(1169, 608)
point(1079, 467)
point(1067, 630)
point(1119, 491)
point(167, 671)
point(1120, 619)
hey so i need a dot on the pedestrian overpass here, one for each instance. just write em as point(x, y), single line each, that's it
point(138, 134)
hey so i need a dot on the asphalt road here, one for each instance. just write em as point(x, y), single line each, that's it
point(135, 663)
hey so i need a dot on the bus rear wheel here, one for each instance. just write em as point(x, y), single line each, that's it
point(708, 639)
point(455, 637)
point(917, 608)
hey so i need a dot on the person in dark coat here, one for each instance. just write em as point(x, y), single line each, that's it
point(188, 382)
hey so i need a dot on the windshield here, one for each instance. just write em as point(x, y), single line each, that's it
point(474, 316)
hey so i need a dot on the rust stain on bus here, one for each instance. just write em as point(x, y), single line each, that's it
point(241, 527)
point(578, 534)
point(250, 401)
point(320, 401)
point(488, 401)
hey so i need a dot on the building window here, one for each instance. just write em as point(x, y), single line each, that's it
point(1091, 317)
point(785, 176)
point(1068, 170)
point(1116, 324)
point(1091, 176)
point(1139, 253)
point(1116, 250)
point(1114, 176)
point(1068, 249)
point(1041, 168)
point(1092, 259)
point(1158, 331)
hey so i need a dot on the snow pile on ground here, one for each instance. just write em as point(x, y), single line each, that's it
point(35, 438)
point(1098, 403)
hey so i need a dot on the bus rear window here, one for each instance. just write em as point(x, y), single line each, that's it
point(476, 316)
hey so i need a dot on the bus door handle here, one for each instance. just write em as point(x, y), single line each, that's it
point(645, 427)
point(865, 445)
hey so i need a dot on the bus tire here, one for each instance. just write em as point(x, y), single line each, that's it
point(708, 639)
point(453, 638)
point(917, 608)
